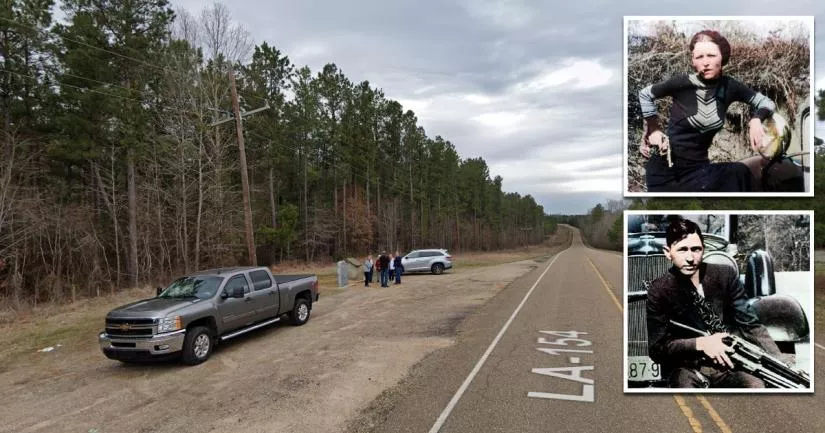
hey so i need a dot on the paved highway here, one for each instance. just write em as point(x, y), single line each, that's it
point(545, 355)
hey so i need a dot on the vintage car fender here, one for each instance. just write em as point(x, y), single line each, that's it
point(783, 317)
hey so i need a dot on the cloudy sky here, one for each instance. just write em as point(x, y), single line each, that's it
point(535, 88)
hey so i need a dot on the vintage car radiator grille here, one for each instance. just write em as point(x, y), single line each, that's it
point(637, 328)
point(642, 270)
point(130, 327)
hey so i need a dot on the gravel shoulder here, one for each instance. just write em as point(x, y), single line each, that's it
point(357, 345)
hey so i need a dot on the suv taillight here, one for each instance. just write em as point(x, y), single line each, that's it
point(449, 257)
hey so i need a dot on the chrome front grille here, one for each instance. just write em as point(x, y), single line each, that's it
point(642, 270)
point(637, 327)
point(130, 327)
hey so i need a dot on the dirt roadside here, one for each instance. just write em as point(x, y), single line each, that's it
point(313, 378)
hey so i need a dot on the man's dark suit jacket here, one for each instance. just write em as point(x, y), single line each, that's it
point(669, 299)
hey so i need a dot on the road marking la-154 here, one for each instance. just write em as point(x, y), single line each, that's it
point(573, 372)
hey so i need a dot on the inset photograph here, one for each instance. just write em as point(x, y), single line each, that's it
point(718, 106)
point(719, 301)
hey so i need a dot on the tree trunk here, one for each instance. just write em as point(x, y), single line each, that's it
point(378, 209)
point(184, 206)
point(306, 206)
point(273, 205)
point(412, 208)
point(344, 214)
point(337, 240)
point(200, 204)
point(133, 235)
point(115, 223)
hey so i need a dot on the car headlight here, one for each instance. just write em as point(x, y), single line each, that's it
point(169, 324)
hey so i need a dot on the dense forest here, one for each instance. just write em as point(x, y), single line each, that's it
point(118, 168)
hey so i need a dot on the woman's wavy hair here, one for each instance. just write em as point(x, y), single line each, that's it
point(716, 38)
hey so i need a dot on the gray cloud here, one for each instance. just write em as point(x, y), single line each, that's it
point(481, 74)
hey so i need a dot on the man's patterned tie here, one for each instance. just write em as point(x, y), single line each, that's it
point(712, 321)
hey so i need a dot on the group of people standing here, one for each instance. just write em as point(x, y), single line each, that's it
point(387, 266)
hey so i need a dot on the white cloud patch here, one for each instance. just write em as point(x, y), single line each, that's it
point(554, 176)
point(576, 74)
point(501, 121)
point(478, 99)
point(310, 49)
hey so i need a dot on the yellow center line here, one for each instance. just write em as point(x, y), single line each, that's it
point(713, 414)
point(686, 410)
point(606, 286)
point(694, 423)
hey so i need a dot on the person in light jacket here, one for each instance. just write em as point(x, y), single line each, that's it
point(368, 266)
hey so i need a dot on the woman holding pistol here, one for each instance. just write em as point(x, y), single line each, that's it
point(700, 101)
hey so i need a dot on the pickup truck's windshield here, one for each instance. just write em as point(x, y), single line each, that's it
point(202, 287)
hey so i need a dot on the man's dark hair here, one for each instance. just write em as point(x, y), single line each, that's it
point(680, 228)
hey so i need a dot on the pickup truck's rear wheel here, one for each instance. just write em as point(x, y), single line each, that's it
point(437, 268)
point(300, 314)
point(197, 345)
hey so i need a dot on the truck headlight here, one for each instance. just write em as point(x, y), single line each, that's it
point(169, 324)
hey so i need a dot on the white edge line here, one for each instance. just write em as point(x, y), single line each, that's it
point(819, 346)
point(451, 405)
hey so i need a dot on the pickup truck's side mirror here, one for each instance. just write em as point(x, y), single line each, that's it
point(159, 291)
point(237, 292)
point(224, 295)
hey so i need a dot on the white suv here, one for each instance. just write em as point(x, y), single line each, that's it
point(435, 261)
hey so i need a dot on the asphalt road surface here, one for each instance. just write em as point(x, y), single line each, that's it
point(545, 355)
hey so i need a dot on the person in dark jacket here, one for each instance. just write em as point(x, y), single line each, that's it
point(399, 268)
point(704, 296)
point(384, 265)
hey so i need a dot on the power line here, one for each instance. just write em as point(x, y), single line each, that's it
point(82, 43)
point(56, 81)
point(71, 85)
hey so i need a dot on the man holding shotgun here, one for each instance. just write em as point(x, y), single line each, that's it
point(709, 298)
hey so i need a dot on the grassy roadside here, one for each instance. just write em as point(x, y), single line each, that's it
point(74, 327)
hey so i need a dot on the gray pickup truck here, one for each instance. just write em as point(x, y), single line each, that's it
point(189, 318)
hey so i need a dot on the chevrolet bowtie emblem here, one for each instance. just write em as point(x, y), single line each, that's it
point(124, 327)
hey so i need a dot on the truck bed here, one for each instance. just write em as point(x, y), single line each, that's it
point(283, 279)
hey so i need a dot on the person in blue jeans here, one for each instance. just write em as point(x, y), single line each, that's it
point(398, 267)
point(384, 263)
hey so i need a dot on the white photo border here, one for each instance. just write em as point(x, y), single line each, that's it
point(808, 20)
point(811, 302)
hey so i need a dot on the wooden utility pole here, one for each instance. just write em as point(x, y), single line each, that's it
point(247, 209)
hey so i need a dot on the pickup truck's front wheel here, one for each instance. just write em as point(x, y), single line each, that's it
point(197, 346)
point(300, 314)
